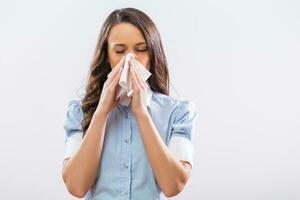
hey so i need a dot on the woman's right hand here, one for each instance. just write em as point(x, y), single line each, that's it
point(108, 100)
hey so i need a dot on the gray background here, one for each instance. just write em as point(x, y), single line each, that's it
point(237, 60)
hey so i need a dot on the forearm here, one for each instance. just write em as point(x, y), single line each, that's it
point(169, 172)
point(81, 169)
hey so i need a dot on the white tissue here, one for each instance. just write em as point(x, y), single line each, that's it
point(125, 88)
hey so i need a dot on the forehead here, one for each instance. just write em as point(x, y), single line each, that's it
point(125, 33)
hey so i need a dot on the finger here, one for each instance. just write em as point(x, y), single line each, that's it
point(115, 81)
point(133, 77)
point(121, 62)
point(113, 75)
point(115, 71)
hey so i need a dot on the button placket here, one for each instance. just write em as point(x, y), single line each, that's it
point(126, 112)
point(126, 155)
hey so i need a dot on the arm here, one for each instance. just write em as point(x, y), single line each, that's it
point(79, 171)
point(170, 173)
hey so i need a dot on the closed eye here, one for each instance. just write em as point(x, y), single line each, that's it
point(139, 50)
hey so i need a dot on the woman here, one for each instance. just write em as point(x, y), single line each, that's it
point(139, 151)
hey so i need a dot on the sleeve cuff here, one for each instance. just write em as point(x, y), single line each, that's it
point(72, 144)
point(182, 148)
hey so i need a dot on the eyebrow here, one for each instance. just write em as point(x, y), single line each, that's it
point(120, 44)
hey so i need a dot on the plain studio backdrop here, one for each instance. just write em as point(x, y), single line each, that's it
point(237, 60)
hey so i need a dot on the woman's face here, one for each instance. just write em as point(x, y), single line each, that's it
point(126, 38)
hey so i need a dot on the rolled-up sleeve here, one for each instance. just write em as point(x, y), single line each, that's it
point(182, 131)
point(73, 129)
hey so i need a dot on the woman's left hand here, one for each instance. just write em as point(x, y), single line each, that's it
point(139, 97)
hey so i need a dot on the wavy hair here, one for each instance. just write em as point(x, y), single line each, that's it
point(100, 67)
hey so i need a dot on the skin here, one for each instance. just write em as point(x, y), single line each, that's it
point(125, 38)
point(79, 171)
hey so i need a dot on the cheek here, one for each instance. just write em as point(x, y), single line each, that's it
point(144, 60)
point(113, 60)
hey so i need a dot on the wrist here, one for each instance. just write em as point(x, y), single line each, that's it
point(100, 114)
point(141, 114)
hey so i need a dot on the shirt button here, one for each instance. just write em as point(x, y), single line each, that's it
point(126, 140)
point(126, 193)
point(126, 166)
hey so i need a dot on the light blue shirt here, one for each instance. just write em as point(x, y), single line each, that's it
point(124, 170)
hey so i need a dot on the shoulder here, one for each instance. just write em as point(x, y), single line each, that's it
point(74, 107)
point(173, 104)
point(74, 103)
point(73, 116)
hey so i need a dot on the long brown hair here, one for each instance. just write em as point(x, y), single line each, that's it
point(100, 67)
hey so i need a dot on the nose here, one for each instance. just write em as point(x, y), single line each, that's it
point(133, 54)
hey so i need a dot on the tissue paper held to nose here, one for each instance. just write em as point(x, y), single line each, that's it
point(125, 88)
